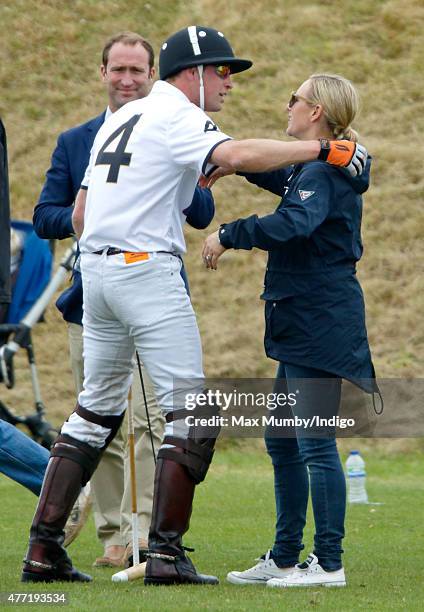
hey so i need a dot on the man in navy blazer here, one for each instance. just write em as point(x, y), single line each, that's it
point(127, 70)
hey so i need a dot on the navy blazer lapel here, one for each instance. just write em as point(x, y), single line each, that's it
point(92, 127)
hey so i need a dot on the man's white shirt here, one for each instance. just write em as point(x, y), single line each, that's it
point(142, 180)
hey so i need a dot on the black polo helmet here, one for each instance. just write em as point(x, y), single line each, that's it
point(196, 46)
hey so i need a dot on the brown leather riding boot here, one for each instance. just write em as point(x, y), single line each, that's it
point(46, 559)
point(173, 497)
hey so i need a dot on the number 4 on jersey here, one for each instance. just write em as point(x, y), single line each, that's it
point(119, 157)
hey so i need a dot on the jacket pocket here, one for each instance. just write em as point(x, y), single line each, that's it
point(278, 319)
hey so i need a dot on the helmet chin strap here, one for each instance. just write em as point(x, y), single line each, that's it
point(201, 88)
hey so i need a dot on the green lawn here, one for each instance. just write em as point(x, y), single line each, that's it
point(233, 523)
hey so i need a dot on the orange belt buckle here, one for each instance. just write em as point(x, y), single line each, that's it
point(133, 257)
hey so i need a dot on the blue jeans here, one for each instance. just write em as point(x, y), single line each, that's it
point(300, 462)
point(21, 458)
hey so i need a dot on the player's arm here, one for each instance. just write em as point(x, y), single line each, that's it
point(201, 210)
point(78, 214)
point(80, 200)
point(260, 155)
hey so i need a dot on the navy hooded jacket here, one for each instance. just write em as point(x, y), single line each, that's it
point(315, 314)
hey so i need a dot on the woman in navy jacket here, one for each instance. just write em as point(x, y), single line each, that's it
point(315, 328)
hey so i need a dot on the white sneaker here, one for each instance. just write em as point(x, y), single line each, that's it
point(260, 573)
point(310, 573)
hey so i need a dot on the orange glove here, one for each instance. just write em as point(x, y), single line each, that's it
point(344, 153)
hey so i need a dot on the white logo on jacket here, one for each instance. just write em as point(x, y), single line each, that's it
point(304, 195)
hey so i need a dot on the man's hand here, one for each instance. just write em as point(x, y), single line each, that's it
point(344, 153)
point(208, 181)
point(212, 251)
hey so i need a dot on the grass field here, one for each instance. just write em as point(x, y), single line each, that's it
point(49, 81)
point(233, 523)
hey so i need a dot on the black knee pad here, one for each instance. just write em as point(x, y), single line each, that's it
point(80, 452)
point(198, 448)
point(196, 457)
point(110, 422)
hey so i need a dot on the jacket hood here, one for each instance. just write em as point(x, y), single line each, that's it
point(360, 183)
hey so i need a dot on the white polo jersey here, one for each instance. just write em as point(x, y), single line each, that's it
point(143, 170)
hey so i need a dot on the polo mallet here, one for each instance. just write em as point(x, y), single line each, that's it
point(138, 569)
point(140, 373)
point(134, 513)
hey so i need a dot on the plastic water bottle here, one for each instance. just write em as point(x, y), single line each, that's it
point(356, 476)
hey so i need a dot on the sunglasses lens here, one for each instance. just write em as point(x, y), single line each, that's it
point(293, 100)
point(223, 71)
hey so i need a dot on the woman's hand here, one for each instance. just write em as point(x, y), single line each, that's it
point(212, 251)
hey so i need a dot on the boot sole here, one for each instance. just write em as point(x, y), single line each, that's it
point(33, 577)
point(171, 582)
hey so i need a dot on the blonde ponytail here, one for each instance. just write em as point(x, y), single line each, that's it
point(347, 133)
point(340, 102)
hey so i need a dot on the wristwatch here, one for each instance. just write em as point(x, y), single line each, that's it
point(325, 149)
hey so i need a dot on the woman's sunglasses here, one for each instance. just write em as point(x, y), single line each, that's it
point(295, 97)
